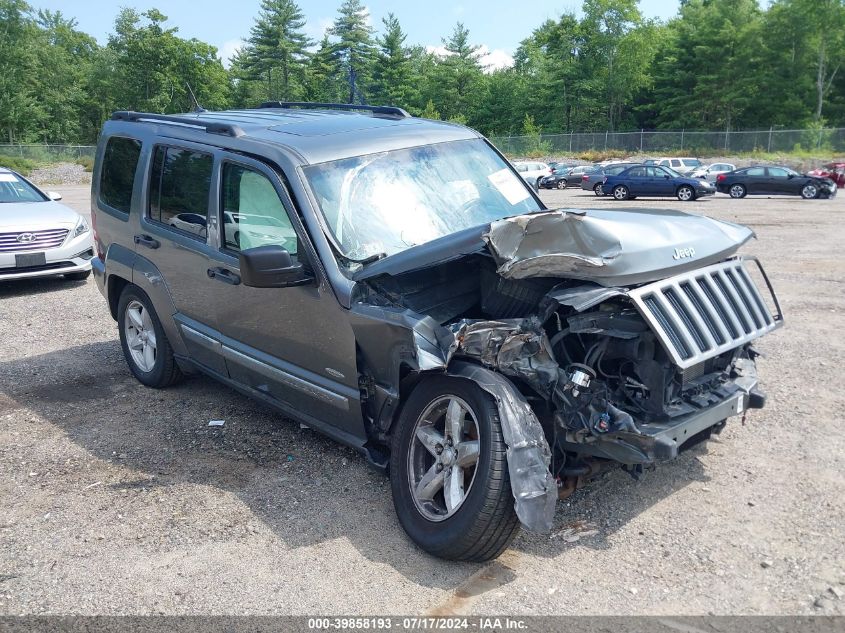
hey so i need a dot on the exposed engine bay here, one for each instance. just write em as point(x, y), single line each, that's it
point(630, 374)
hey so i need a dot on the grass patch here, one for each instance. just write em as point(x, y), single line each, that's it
point(87, 163)
point(21, 165)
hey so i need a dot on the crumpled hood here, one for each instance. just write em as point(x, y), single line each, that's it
point(610, 247)
point(29, 216)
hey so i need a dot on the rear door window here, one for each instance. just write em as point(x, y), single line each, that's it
point(117, 175)
point(755, 171)
point(179, 186)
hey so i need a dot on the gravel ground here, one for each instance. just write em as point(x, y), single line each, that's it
point(117, 499)
point(61, 174)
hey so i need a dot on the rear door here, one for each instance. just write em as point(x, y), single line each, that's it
point(294, 344)
point(756, 180)
point(638, 181)
point(174, 237)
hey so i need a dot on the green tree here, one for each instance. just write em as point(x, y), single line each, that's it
point(277, 50)
point(18, 69)
point(458, 76)
point(354, 48)
point(392, 70)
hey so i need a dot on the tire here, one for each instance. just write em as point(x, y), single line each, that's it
point(80, 276)
point(620, 192)
point(809, 191)
point(538, 181)
point(598, 190)
point(484, 522)
point(685, 193)
point(143, 320)
point(561, 184)
point(737, 191)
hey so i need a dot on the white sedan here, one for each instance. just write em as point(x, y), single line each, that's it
point(38, 236)
point(709, 172)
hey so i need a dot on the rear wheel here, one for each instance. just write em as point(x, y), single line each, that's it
point(809, 191)
point(685, 193)
point(737, 191)
point(620, 192)
point(538, 181)
point(145, 345)
point(449, 473)
point(598, 190)
point(561, 184)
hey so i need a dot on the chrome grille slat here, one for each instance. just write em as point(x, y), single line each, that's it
point(692, 312)
point(43, 239)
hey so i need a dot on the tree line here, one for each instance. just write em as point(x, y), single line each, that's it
point(718, 64)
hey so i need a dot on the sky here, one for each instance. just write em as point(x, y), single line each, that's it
point(496, 25)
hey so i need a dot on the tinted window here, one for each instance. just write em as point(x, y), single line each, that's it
point(675, 162)
point(636, 172)
point(755, 171)
point(117, 176)
point(777, 172)
point(656, 172)
point(179, 185)
point(614, 170)
point(253, 214)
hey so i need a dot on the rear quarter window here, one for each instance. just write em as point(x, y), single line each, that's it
point(117, 175)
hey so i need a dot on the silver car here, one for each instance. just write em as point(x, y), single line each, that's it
point(38, 236)
point(710, 172)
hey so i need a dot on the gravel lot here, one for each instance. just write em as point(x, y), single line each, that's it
point(117, 499)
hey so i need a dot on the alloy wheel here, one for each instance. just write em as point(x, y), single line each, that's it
point(140, 336)
point(443, 457)
point(809, 191)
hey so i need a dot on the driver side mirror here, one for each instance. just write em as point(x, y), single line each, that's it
point(271, 266)
point(791, 176)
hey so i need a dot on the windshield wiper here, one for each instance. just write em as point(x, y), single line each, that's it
point(367, 260)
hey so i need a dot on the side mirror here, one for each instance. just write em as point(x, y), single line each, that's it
point(54, 195)
point(791, 176)
point(666, 176)
point(271, 266)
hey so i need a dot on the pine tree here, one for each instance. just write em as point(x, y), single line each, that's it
point(392, 73)
point(354, 48)
point(276, 51)
point(459, 75)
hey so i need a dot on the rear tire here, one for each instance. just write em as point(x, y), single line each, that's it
point(598, 190)
point(480, 522)
point(620, 192)
point(140, 330)
point(737, 191)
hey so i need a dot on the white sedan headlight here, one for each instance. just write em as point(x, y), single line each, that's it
point(81, 228)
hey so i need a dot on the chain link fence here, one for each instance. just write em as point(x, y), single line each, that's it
point(49, 153)
point(827, 140)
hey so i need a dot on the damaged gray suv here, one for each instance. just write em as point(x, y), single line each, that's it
point(393, 283)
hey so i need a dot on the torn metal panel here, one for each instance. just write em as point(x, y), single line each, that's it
point(610, 247)
point(579, 298)
point(534, 488)
point(515, 347)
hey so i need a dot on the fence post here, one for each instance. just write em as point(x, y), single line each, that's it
point(641, 140)
point(727, 133)
point(605, 140)
point(769, 148)
point(570, 142)
point(682, 138)
point(819, 144)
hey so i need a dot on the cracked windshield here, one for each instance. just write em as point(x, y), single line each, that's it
point(380, 204)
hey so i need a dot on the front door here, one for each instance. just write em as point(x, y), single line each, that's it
point(292, 344)
point(661, 181)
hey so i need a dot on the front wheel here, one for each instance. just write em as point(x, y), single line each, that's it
point(449, 473)
point(809, 192)
point(561, 184)
point(620, 192)
point(685, 193)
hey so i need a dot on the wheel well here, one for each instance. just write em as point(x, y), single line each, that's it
point(115, 289)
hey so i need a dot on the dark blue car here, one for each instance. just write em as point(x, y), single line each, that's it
point(652, 180)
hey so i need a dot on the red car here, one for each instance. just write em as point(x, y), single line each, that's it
point(834, 171)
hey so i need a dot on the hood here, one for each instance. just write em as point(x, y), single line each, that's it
point(610, 247)
point(27, 216)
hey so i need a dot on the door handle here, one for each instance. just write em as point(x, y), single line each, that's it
point(225, 275)
point(146, 240)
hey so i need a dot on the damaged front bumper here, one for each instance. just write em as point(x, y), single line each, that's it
point(663, 441)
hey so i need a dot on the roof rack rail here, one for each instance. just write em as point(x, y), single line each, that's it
point(382, 110)
point(212, 127)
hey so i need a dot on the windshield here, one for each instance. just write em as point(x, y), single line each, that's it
point(384, 203)
point(14, 189)
point(671, 171)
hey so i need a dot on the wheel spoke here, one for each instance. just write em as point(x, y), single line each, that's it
point(453, 489)
point(431, 482)
point(145, 319)
point(455, 421)
point(431, 439)
point(135, 318)
point(151, 338)
point(134, 342)
point(149, 357)
point(467, 453)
